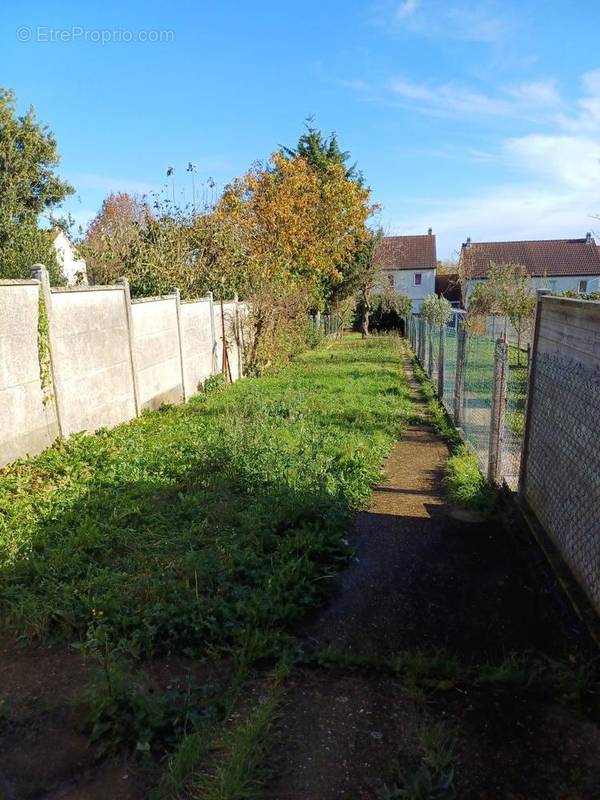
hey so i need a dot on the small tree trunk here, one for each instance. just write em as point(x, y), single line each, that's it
point(364, 323)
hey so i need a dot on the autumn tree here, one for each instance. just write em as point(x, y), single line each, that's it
point(300, 225)
point(113, 238)
point(29, 186)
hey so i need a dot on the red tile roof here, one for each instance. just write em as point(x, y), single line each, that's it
point(406, 252)
point(552, 257)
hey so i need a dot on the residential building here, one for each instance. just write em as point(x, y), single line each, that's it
point(408, 265)
point(554, 264)
point(72, 266)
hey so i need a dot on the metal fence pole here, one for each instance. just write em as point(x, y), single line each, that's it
point(497, 411)
point(459, 379)
point(441, 361)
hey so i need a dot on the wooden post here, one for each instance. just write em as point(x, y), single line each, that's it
point(529, 397)
point(238, 337)
point(441, 361)
point(40, 273)
point(134, 376)
point(459, 378)
point(497, 412)
point(225, 361)
point(177, 294)
point(213, 332)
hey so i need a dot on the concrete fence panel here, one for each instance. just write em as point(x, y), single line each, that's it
point(560, 478)
point(28, 421)
point(87, 357)
point(157, 355)
point(197, 344)
point(89, 335)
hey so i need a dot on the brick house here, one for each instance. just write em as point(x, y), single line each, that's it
point(408, 265)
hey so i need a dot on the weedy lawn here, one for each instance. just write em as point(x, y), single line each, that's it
point(204, 527)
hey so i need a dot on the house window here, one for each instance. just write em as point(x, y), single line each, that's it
point(391, 281)
point(418, 278)
point(582, 287)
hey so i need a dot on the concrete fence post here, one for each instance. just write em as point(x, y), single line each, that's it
point(441, 361)
point(459, 379)
point(134, 372)
point(177, 294)
point(40, 273)
point(213, 333)
point(497, 412)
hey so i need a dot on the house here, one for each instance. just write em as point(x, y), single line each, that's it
point(554, 264)
point(408, 264)
point(72, 266)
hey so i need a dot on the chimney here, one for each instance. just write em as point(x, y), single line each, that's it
point(588, 238)
point(468, 242)
point(429, 231)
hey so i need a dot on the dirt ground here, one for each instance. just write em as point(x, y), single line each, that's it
point(420, 580)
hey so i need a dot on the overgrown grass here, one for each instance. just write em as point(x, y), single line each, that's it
point(210, 526)
point(432, 778)
point(466, 485)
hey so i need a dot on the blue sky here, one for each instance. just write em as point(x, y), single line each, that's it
point(478, 119)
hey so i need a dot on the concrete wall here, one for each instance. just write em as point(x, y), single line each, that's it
point(27, 413)
point(110, 357)
point(197, 344)
point(156, 351)
point(90, 346)
point(561, 460)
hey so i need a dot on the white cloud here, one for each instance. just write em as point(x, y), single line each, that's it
point(453, 100)
point(555, 191)
point(476, 24)
point(570, 161)
point(406, 8)
point(441, 19)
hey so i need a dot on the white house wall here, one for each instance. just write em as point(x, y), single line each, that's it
point(404, 282)
point(561, 284)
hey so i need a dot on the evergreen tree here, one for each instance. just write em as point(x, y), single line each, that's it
point(29, 186)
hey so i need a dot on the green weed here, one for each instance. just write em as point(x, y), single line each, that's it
point(466, 485)
point(214, 525)
point(433, 777)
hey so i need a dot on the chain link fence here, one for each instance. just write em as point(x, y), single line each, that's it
point(484, 384)
point(483, 388)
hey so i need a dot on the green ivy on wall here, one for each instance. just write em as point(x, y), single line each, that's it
point(44, 351)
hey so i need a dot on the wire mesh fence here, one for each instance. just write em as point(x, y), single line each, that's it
point(328, 324)
point(466, 369)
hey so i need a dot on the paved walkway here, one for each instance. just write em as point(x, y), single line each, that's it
point(420, 581)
